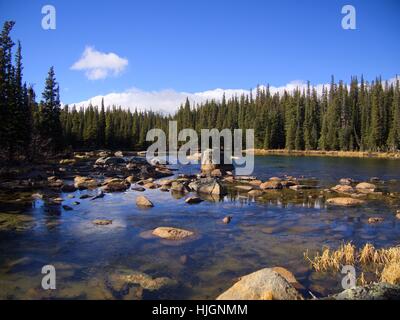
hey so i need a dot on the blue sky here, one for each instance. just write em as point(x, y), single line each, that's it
point(194, 46)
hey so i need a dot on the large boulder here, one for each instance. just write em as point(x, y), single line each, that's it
point(170, 233)
point(346, 202)
point(210, 162)
point(207, 186)
point(264, 284)
point(375, 291)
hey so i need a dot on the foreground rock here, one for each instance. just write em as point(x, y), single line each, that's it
point(171, 233)
point(143, 202)
point(346, 202)
point(208, 186)
point(375, 291)
point(264, 284)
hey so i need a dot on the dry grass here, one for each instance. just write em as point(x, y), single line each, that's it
point(333, 260)
point(386, 262)
point(391, 273)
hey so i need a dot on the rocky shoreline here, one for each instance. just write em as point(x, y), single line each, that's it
point(320, 153)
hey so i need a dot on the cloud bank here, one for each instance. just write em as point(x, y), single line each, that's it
point(168, 101)
point(98, 65)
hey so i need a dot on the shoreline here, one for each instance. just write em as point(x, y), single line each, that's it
point(320, 153)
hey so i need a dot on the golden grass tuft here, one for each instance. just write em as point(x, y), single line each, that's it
point(386, 262)
point(391, 273)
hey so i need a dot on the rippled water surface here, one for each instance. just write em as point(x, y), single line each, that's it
point(273, 230)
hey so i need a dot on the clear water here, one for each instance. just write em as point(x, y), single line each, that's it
point(272, 231)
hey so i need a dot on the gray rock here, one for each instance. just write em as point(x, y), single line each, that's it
point(207, 186)
point(375, 291)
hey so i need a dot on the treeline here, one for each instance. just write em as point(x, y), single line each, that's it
point(28, 129)
point(359, 116)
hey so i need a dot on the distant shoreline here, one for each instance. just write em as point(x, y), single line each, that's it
point(320, 153)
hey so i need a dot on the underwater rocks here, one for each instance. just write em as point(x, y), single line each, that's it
point(16, 222)
point(137, 188)
point(375, 291)
point(346, 202)
point(102, 222)
point(264, 284)
point(143, 202)
point(170, 233)
point(121, 279)
point(244, 188)
point(374, 220)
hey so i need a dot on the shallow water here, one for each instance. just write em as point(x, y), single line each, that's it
point(271, 231)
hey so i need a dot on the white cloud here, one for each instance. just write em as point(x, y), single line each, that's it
point(98, 65)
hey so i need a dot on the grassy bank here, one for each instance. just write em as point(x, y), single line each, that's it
point(320, 153)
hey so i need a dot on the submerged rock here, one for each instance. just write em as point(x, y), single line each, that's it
point(341, 201)
point(373, 220)
point(255, 193)
point(143, 202)
point(120, 279)
point(171, 233)
point(193, 200)
point(244, 188)
point(68, 188)
point(375, 291)
point(227, 219)
point(102, 222)
point(137, 188)
point(264, 284)
point(15, 222)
